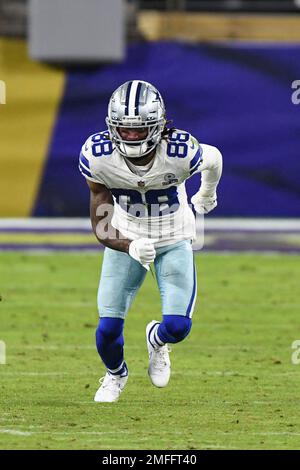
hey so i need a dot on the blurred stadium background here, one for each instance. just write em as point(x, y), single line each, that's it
point(230, 74)
point(226, 70)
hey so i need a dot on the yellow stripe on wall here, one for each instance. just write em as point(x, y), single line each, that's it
point(33, 93)
point(194, 26)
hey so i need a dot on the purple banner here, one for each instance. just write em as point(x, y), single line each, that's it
point(238, 98)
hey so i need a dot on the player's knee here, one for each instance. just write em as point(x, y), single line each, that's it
point(109, 329)
point(177, 327)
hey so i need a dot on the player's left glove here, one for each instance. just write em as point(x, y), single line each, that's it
point(204, 204)
point(143, 251)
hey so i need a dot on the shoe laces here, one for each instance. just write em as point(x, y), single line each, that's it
point(160, 355)
point(108, 381)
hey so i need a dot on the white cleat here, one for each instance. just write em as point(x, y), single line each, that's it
point(111, 388)
point(159, 369)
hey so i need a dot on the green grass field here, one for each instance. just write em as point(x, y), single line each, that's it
point(233, 385)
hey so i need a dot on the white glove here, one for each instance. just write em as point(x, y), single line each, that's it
point(143, 251)
point(204, 204)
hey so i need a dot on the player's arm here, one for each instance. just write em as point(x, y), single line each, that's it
point(101, 212)
point(210, 166)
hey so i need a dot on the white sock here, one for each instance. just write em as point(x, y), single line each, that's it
point(153, 337)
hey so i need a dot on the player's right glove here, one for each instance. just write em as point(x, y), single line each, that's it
point(143, 251)
point(204, 204)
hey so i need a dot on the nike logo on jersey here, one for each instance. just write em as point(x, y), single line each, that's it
point(194, 143)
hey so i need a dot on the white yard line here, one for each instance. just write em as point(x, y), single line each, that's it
point(257, 224)
point(46, 223)
point(217, 446)
point(40, 374)
point(270, 433)
point(202, 344)
point(15, 432)
point(202, 374)
point(252, 224)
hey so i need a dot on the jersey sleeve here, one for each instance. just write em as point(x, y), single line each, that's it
point(205, 157)
point(186, 153)
point(212, 158)
point(87, 165)
point(211, 169)
point(194, 161)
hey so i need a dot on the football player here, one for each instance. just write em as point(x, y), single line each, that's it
point(136, 172)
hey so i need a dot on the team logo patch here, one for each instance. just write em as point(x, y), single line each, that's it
point(169, 178)
point(141, 184)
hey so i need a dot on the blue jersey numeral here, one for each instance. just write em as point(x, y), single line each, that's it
point(101, 146)
point(177, 146)
point(155, 202)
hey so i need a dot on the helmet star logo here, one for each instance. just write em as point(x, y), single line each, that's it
point(157, 96)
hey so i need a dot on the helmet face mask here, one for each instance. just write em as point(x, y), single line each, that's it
point(136, 105)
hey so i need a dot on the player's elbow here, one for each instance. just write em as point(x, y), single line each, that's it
point(212, 158)
point(217, 158)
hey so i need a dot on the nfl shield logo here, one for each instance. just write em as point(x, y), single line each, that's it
point(141, 184)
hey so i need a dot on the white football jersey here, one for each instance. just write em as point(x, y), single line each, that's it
point(153, 205)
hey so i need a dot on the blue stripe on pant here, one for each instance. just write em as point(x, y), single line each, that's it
point(176, 278)
point(122, 277)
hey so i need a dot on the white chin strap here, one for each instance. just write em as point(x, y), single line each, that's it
point(134, 151)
